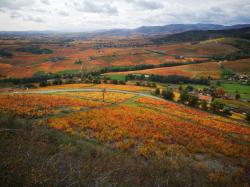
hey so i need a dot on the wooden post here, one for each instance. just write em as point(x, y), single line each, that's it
point(103, 94)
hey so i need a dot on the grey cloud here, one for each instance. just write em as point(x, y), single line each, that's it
point(146, 4)
point(96, 7)
point(15, 4)
point(46, 2)
point(63, 13)
point(34, 19)
point(18, 15)
point(15, 15)
point(40, 10)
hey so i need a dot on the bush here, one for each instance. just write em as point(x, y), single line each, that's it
point(122, 82)
point(204, 105)
point(217, 107)
point(237, 96)
point(226, 111)
point(30, 86)
point(189, 88)
point(114, 82)
point(184, 96)
point(193, 101)
point(78, 62)
point(43, 84)
point(168, 94)
point(5, 53)
point(35, 50)
point(157, 91)
point(248, 116)
point(57, 82)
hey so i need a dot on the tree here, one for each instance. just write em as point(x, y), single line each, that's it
point(57, 82)
point(153, 85)
point(168, 94)
point(218, 83)
point(220, 92)
point(78, 62)
point(248, 116)
point(204, 105)
point(114, 81)
point(43, 84)
point(121, 82)
point(217, 106)
point(237, 95)
point(193, 101)
point(82, 68)
point(189, 88)
point(157, 91)
point(184, 96)
point(227, 111)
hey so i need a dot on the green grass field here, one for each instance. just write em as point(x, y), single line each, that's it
point(118, 77)
point(231, 88)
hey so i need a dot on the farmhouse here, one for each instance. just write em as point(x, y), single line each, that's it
point(207, 98)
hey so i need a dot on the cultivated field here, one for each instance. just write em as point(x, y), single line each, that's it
point(151, 129)
point(211, 69)
point(66, 53)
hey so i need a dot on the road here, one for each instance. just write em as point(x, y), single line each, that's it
point(89, 90)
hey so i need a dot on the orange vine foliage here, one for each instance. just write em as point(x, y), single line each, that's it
point(207, 120)
point(148, 132)
point(112, 97)
point(39, 105)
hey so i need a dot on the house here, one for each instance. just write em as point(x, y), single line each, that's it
point(207, 98)
point(202, 96)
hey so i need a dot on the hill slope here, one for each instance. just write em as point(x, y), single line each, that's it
point(191, 36)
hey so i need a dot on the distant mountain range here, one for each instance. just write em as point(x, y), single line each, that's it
point(143, 31)
point(167, 29)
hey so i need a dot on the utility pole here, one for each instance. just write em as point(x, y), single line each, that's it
point(103, 94)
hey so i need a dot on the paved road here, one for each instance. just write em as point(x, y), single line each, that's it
point(88, 90)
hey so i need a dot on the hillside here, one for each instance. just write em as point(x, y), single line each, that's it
point(61, 132)
point(211, 69)
point(193, 36)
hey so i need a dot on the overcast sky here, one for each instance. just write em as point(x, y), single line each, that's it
point(88, 15)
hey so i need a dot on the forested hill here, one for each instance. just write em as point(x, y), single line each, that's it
point(192, 36)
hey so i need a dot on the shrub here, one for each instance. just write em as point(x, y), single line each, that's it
point(168, 94)
point(35, 50)
point(189, 88)
point(204, 105)
point(193, 101)
point(114, 82)
point(248, 116)
point(237, 96)
point(157, 91)
point(5, 53)
point(184, 96)
point(43, 84)
point(217, 106)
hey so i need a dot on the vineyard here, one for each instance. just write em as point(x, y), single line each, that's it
point(147, 127)
point(211, 69)
point(98, 86)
